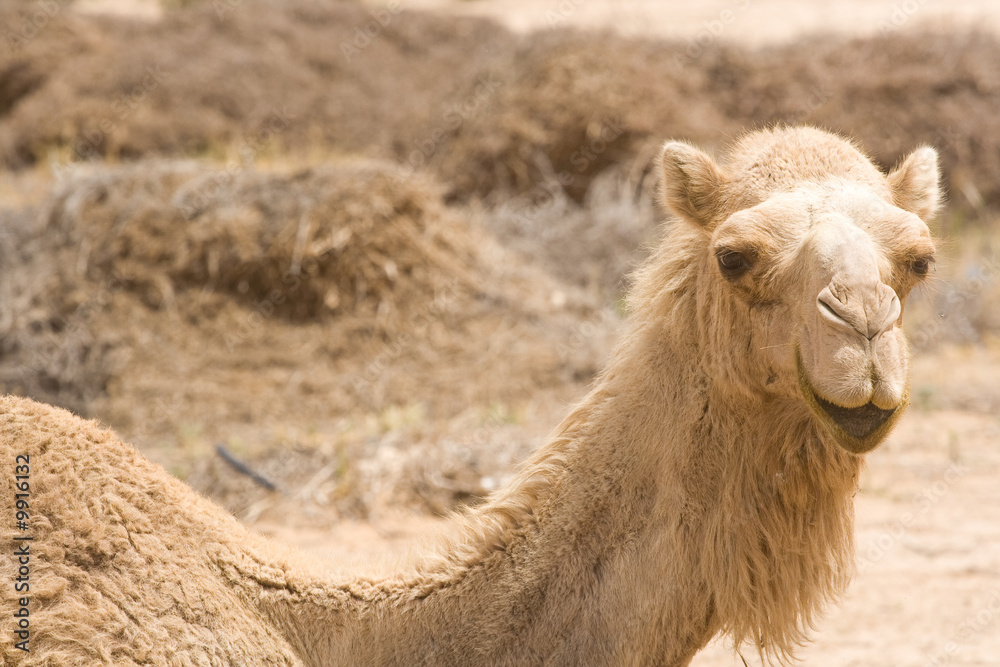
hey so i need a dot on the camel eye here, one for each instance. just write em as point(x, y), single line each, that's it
point(922, 265)
point(732, 264)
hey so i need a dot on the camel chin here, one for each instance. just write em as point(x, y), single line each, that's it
point(857, 430)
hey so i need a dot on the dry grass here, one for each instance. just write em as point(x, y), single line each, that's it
point(891, 93)
point(251, 76)
point(399, 324)
point(593, 244)
point(492, 113)
point(347, 241)
point(366, 466)
point(960, 306)
point(298, 298)
point(568, 105)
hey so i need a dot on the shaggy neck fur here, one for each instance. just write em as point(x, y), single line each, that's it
point(677, 501)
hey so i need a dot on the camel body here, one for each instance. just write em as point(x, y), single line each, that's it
point(701, 487)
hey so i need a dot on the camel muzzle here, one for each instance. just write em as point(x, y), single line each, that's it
point(857, 430)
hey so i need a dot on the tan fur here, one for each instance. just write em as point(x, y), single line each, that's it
point(694, 491)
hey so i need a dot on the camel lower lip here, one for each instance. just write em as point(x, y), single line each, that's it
point(857, 430)
point(859, 422)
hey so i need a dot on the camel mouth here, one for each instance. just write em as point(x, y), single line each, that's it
point(857, 430)
point(859, 422)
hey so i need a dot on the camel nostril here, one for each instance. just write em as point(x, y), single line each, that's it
point(885, 317)
point(895, 311)
point(829, 310)
point(869, 312)
point(833, 310)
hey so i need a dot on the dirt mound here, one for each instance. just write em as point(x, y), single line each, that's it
point(891, 93)
point(36, 41)
point(350, 240)
point(297, 298)
point(570, 104)
point(490, 112)
point(252, 77)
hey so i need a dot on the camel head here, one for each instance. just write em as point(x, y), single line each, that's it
point(806, 253)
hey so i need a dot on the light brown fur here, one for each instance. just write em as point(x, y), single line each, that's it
point(696, 490)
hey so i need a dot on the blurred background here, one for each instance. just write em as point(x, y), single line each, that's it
point(374, 250)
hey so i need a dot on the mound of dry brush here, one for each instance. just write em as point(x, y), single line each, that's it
point(165, 292)
point(491, 112)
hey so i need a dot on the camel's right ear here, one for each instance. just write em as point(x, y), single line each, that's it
point(916, 183)
point(691, 182)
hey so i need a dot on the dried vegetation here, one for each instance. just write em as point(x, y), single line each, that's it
point(404, 236)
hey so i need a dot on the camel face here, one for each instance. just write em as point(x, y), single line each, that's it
point(828, 267)
point(811, 252)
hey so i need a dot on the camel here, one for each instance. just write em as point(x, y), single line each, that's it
point(703, 486)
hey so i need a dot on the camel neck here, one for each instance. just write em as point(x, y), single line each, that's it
point(568, 566)
point(627, 539)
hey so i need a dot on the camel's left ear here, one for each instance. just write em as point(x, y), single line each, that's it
point(915, 183)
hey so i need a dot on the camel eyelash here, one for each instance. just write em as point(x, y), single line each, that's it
point(733, 263)
point(922, 266)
